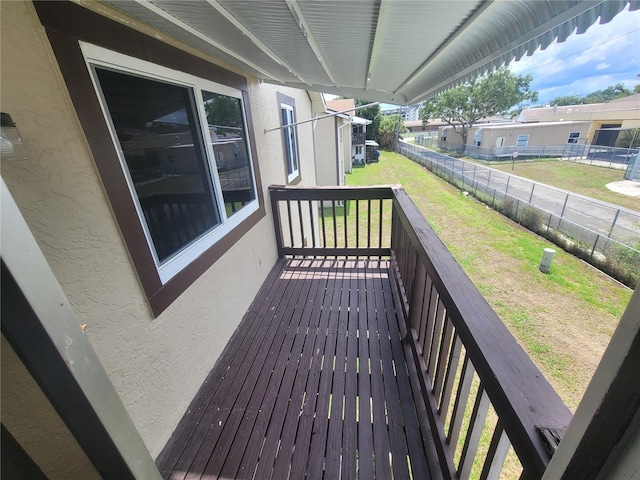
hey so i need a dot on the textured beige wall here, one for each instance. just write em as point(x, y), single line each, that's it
point(326, 151)
point(156, 365)
point(557, 134)
point(31, 419)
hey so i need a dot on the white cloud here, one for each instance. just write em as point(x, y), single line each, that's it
point(578, 65)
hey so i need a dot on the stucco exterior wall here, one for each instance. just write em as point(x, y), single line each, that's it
point(326, 151)
point(27, 411)
point(158, 364)
point(557, 134)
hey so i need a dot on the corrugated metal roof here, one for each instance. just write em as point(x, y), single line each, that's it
point(395, 51)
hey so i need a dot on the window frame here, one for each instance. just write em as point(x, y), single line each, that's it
point(66, 25)
point(289, 103)
point(525, 137)
point(573, 139)
point(101, 57)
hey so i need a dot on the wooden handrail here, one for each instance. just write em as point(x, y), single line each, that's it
point(523, 399)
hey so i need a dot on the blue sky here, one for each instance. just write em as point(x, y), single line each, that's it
point(604, 55)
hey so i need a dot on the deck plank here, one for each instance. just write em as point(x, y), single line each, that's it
point(268, 383)
point(376, 317)
point(350, 427)
point(313, 384)
point(194, 426)
point(229, 411)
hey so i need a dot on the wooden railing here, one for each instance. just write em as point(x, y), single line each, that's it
point(358, 138)
point(480, 392)
point(332, 221)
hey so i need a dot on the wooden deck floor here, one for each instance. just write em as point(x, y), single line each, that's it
point(313, 384)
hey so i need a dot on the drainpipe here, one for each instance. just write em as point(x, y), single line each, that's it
point(341, 154)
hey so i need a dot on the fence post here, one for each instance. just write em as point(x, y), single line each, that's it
point(489, 179)
point(506, 190)
point(564, 206)
point(594, 245)
point(475, 167)
point(614, 223)
point(532, 189)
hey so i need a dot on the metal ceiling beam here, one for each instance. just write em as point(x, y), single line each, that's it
point(376, 41)
point(256, 41)
point(472, 18)
point(294, 8)
point(179, 23)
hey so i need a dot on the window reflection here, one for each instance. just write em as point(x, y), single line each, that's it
point(228, 138)
point(159, 136)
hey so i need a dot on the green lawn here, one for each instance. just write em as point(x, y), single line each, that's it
point(564, 320)
point(576, 177)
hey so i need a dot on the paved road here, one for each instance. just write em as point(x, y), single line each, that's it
point(620, 224)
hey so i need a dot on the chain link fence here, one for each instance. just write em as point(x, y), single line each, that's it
point(605, 235)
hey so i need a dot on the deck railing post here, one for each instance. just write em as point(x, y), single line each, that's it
point(277, 221)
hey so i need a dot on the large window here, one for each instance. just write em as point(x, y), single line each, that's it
point(183, 148)
point(290, 139)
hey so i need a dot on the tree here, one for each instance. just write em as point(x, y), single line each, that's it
point(567, 100)
point(223, 111)
point(370, 113)
point(493, 94)
point(629, 139)
point(636, 89)
point(387, 130)
point(612, 92)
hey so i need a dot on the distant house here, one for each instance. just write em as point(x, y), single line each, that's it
point(331, 145)
point(554, 127)
point(354, 153)
point(607, 120)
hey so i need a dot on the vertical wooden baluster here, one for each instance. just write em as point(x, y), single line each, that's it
point(301, 220)
point(431, 317)
point(450, 377)
point(290, 222)
point(324, 227)
point(344, 217)
point(476, 425)
point(357, 223)
point(380, 224)
point(443, 356)
point(416, 301)
point(436, 340)
point(426, 299)
point(497, 454)
point(335, 227)
point(313, 229)
point(369, 223)
point(462, 396)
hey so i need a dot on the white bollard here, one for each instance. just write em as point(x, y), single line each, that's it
point(547, 258)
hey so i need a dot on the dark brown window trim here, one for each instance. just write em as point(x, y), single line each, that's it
point(66, 24)
point(287, 100)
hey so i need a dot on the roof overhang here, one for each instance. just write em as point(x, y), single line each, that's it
point(394, 51)
point(360, 121)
